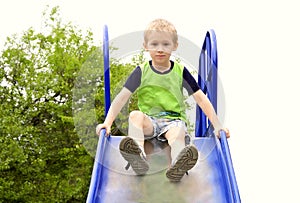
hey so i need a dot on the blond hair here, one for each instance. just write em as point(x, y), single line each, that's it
point(161, 25)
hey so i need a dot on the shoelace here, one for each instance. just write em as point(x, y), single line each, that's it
point(128, 164)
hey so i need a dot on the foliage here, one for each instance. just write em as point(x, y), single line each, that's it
point(51, 94)
point(42, 158)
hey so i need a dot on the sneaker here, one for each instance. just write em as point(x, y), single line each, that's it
point(186, 160)
point(135, 156)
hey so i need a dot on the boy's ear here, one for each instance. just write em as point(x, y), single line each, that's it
point(175, 46)
point(145, 46)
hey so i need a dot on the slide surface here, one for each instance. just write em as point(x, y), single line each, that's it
point(206, 182)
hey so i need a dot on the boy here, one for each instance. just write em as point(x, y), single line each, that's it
point(161, 113)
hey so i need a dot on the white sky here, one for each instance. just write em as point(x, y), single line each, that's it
point(258, 60)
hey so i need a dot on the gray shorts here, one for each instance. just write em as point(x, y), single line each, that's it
point(162, 125)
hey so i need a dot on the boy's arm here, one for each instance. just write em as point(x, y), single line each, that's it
point(208, 109)
point(115, 108)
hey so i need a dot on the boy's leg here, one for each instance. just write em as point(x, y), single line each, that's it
point(176, 140)
point(132, 147)
point(183, 157)
point(139, 127)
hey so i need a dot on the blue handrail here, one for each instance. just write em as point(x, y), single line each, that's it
point(229, 165)
point(106, 69)
point(207, 80)
point(97, 169)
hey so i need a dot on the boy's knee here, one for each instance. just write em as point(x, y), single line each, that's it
point(175, 133)
point(136, 116)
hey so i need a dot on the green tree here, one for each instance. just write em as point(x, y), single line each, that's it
point(51, 94)
point(42, 158)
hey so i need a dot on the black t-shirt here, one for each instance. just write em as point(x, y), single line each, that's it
point(189, 82)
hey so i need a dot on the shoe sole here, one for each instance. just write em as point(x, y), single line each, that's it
point(131, 152)
point(188, 159)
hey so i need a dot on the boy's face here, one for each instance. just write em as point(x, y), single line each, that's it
point(160, 46)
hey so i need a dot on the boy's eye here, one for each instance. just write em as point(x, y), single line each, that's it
point(154, 44)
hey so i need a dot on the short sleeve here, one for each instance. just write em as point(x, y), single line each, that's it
point(134, 80)
point(189, 82)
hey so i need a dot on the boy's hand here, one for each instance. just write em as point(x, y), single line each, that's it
point(225, 130)
point(103, 126)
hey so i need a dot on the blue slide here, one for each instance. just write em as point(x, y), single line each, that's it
point(212, 180)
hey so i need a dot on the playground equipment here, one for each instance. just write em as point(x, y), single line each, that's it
point(211, 180)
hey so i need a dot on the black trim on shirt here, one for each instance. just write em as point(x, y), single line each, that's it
point(189, 82)
point(134, 79)
point(162, 73)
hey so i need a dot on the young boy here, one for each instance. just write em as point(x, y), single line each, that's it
point(159, 84)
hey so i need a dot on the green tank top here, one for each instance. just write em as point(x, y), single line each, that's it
point(161, 95)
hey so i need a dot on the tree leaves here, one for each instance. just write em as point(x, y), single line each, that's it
point(51, 94)
point(42, 158)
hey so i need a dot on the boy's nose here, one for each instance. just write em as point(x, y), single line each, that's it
point(160, 48)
